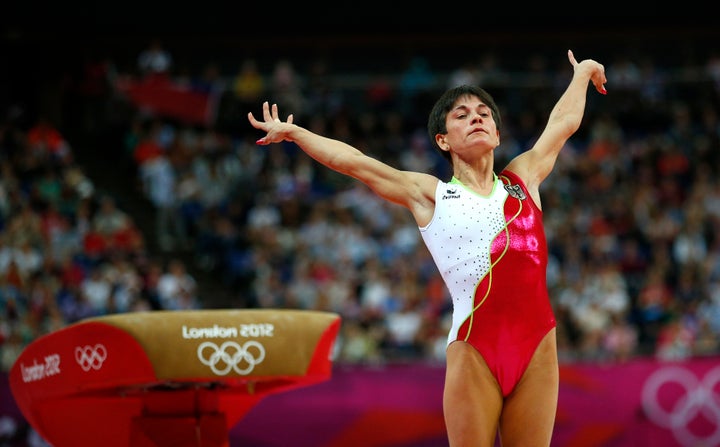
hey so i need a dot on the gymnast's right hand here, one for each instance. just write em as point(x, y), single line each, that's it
point(275, 129)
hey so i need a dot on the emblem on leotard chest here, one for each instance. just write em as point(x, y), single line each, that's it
point(515, 191)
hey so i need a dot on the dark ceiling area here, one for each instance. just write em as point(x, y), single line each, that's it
point(40, 41)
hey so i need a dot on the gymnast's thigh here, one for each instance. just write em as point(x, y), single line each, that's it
point(472, 398)
point(528, 415)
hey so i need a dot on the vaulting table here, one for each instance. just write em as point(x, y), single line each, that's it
point(167, 378)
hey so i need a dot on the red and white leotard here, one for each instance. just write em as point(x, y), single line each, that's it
point(492, 254)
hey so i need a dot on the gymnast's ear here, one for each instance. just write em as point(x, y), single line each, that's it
point(441, 142)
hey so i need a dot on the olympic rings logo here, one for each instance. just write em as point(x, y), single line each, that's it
point(231, 356)
point(90, 357)
point(699, 399)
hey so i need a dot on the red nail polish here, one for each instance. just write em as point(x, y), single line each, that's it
point(260, 141)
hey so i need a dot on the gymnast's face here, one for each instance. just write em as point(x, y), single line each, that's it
point(470, 127)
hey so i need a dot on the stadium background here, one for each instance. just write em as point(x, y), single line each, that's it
point(46, 57)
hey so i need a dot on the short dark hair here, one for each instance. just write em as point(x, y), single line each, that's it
point(438, 114)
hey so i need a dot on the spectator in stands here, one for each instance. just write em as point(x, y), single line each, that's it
point(416, 85)
point(287, 85)
point(620, 339)
point(12, 347)
point(96, 290)
point(177, 288)
point(484, 395)
point(160, 185)
point(248, 84)
point(46, 142)
point(116, 227)
point(155, 60)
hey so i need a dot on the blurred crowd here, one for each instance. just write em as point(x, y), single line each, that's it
point(632, 210)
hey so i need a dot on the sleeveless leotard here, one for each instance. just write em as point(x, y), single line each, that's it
point(492, 254)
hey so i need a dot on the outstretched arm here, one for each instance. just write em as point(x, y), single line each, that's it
point(535, 165)
point(412, 190)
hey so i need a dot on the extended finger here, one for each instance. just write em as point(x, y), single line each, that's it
point(254, 121)
point(571, 58)
point(266, 112)
point(275, 113)
point(601, 80)
point(600, 87)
